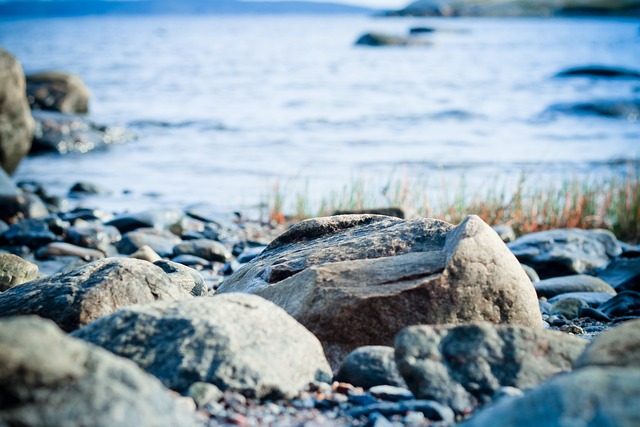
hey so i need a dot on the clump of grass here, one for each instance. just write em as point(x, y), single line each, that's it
point(611, 202)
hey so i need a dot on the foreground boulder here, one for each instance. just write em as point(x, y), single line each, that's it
point(586, 397)
point(465, 366)
point(50, 379)
point(58, 91)
point(566, 251)
point(75, 298)
point(356, 280)
point(236, 342)
point(16, 124)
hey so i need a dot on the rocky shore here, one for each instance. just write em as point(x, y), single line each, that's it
point(186, 318)
point(183, 319)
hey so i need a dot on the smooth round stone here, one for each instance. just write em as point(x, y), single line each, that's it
point(550, 288)
point(593, 299)
point(204, 393)
point(531, 273)
point(391, 393)
point(61, 249)
point(204, 248)
point(145, 253)
point(15, 271)
point(191, 261)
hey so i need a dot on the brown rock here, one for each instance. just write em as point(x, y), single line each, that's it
point(58, 91)
point(16, 123)
point(357, 280)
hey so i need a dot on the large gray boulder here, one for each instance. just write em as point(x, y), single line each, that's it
point(58, 91)
point(241, 343)
point(49, 379)
point(78, 297)
point(465, 366)
point(356, 280)
point(590, 397)
point(619, 346)
point(16, 124)
point(564, 252)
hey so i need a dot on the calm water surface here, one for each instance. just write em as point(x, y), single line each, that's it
point(225, 107)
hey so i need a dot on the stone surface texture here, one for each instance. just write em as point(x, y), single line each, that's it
point(58, 91)
point(50, 379)
point(464, 366)
point(15, 271)
point(370, 366)
point(241, 343)
point(619, 346)
point(549, 288)
point(356, 280)
point(78, 297)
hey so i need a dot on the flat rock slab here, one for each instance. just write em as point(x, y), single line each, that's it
point(566, 251)
point(465, 366)
point(77, 297)
point(356, 280)
point(623, 274)
point(587, 397)
point(619, 346)
point(49, 378)
point(241, 343)
point(549, 288)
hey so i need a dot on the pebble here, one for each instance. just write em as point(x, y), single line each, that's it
point(391, 393)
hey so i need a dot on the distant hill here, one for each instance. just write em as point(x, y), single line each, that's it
point(520, 8)
point(60, 8)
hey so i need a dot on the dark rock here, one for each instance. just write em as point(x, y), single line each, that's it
point(160, 219)
point(593, 299)
point(57, 91)
point(594, 314)
point(93, 236)
point(370, 366)
point(381, 39)
point(16, 124)
point(391, 393)
point(600, 71)
point(586, 397)
point(434, 411)
point(465, 366)
point(237, 342)
point(203, 248)
point(60, 249)
point(549, 288)
point(75, 298)
point(395, 212)
point(626, 303)
point(619, 346)
point(250, 253)
point(332, 273)
point(183, 276)
point(191, 261)
point(85, 214)
point(623, 274)
point(162, 242)
point(421, 30)
point(629, 250)
point(64, 133)
point(50, 379)
point(86, 188)
point(58, 265)
point(33, 233)
point(616, 109)
point(564, 252)
point(17, 208)
point(15, 271)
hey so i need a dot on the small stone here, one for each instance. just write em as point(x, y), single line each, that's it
point(204, 393)
point(572, 329)
point(145, 253)
point(15, 271)
point(370, 366)
point(626, 303)
point(61, 249)
point(33, 233)
point(391, 393)
point(204, 248)
point(531, 273)
point(594, 314)
point(549, 288)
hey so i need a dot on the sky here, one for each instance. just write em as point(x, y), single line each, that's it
point(378, 4)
